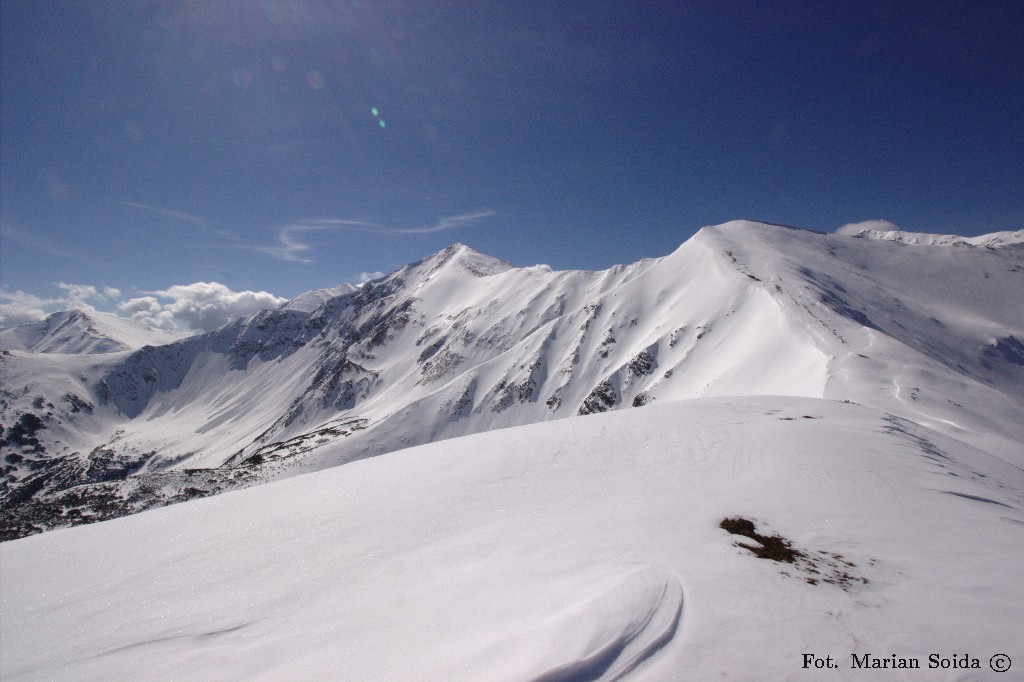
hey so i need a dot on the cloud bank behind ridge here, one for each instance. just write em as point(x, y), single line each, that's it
point(200, 306)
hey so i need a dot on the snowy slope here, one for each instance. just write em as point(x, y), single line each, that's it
point(460, 343)
point(577, 549)
point(81, 331)
point(311, 300)
point(993, 240)
point(932, 333)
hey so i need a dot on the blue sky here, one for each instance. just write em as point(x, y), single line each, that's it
point(277, 146)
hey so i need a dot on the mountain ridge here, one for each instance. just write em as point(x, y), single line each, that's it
point(79, 330)
point(1007, 238)
point(459, 343)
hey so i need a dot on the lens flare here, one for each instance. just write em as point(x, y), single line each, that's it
point(315, 79)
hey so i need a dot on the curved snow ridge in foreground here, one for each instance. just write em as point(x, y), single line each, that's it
point(613, 629)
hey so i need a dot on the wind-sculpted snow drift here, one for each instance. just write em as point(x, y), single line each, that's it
point(929, 330)
point(619, 621)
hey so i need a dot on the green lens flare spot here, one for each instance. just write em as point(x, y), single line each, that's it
point(374, 111)
point(382, 124)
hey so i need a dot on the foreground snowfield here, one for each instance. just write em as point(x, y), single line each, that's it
point(575, 549)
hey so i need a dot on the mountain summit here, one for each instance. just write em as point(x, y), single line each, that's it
point(460, 343)
point(83, 331)
point(458, 256)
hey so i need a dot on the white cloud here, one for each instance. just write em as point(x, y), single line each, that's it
point(365, 277)
point(170, 213)
point(78, 295)
point(148, 311)
point(139, 306)
point(198, 221)
point(291, 244)
point(201, 306)
point(867, 225)
point(31, 240)
point(18, 307)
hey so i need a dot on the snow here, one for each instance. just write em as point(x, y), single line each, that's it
point(572, 549)
point(861, 397)
point(311, 300)
point(80, 331)
point(460, 343)
point(991, 240)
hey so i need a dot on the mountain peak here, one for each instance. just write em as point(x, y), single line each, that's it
point(85, 331)
point(465, 257)
point(311, 300)
point(749, 224)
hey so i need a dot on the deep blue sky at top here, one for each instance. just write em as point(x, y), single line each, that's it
point(146, 144)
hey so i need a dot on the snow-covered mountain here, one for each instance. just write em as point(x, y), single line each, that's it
point(461, 343)
point(826, 477)
point(991, 240)
point(311, 300)
point(83, 331)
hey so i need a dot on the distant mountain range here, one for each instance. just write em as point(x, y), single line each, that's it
point(84, 331)
point(102, 418)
